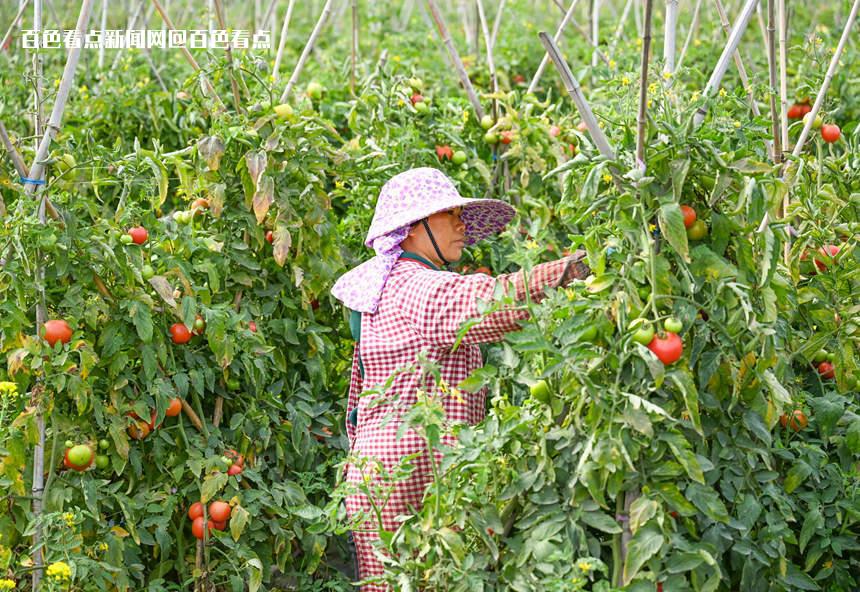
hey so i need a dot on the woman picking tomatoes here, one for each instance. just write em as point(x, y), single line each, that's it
point(404, 303)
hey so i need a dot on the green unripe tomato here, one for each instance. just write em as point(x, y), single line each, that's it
point(104, 444)
point(643, 332)
point(80, 455)
point(697, 231)
point(146, 272)
point(283, 111)
point(820, 356)
point(830, 356)
point(644, 292)
point(416, 84)
point(102, 461)
point(315, 90)
point(540, 391)
point(487, 122)
point(673, 325)
point(491, 138)
point(459, 157)
point(422, 108)
point(125, 239)
point(233, 384)
point(227, 460)
point(114, 234)
point(69, 443)
point(816, 123)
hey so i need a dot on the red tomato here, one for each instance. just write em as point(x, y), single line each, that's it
point(689, 216)
point(195, 511)
point(506, 137)
point(798, 420)
point(825, 369)
point(180, 333)
point(668, 349)
point(219, 511)
point(238, 459)
point(519, 79)
point(804, 109)
point(219, 525)
point(795, 111)
point(200, 204)
point(831, 250)
point(554, 131)
point(830, 132)
point(57, 330)
point(416, 98)
point(443, 152)
point(270, 236)
point(484, 270)
point(197, 527)
point(138, 235)
point(252, 326)
point(234, 470)
point(175, 408)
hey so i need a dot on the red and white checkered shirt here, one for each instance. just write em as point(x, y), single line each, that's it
point(421, 309)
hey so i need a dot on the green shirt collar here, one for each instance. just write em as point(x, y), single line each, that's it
point(419, 258)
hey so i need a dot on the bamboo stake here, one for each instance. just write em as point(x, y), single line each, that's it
point(455, 57)
point(575, 91)
point(306, 51)
point(555, 38)
point(621, 22)
point(103, 27)
point(776, 152)
point(282, 41)
point(37, 171)
point(190, 58)
point(739, 62)
point(488, 42)
point(18, 16)
point(131, 24)
point(497, 22)
point(669, 34)
point(595, 32)
point(38, 91)
point(783, 83)
point(585, 35)
point(723, 63)
point(234, 87)
point(354, 47)
point(643, 87)
point(788, 173)
point(694, 28)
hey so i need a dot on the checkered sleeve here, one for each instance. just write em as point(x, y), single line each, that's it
point(354, 391)
point(437, 304)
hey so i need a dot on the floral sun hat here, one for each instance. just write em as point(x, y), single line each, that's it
point(404, 200)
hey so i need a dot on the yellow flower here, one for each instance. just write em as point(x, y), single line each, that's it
point(69, 518)
point(607, 178)
point(737, 124)
point(9, 390)
point(667, 75)
point(612, 64)
point(695, 96)
point(652, 88)
point(652, 227)
point(650, 102)
point(529, 26)
point(697, 42)
point(584, 566)
point(531, 245)
point(338, 184)
point(570, 293)
point(465, 115)
point(723, 92)
point(6, 584)
point(102, 547)
point(625, 81)
point(59, 571)
point(396, 59)
point(638, 42)
point(400, 103)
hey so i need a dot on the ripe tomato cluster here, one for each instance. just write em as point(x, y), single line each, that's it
point(219, 513)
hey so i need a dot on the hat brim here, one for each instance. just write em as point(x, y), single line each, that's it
point(482, 217)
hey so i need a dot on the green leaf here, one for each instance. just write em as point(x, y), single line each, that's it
point(798, 580)
point(591, 184)
point(852, 437)
point(601, 522)
point(683, 452)
point(671, 222)
point(212, 484)
point(679, 168)
point(766, 257)
point(641, 511)
point(828, 411)
point(141, 316)
point(779, 392)
point(684, 381)
point(255, 574)
point(644, 545)
point(754, 423)
point(796, 475)
point(708, 502)
point(813, 521)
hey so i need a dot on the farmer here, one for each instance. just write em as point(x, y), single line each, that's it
point(403, 302)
